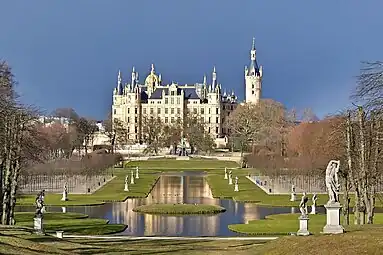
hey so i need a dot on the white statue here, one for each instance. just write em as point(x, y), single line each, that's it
point(292, 198)
point(303, 204)
point(314, 200)
point(332, 182)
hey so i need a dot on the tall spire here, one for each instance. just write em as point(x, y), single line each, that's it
point(152, 71)
point(204, 80)
point(253, 67)
point(214, 82)
point(134, 77)
point(119, 83)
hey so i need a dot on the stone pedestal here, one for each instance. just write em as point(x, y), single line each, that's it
point(313, 210)
point(225, 176)
point(182, 158)
point(126, 187)
point(38, 225)
point(63, 209)
point(60, 234)
point(303, 226)
point(65, 196)
point(236, 188)
point(333, 219)
point(230, 181)
point(293, 197)
point(137, 177)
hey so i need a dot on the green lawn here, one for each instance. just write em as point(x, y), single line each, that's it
point(17, 240)
point(73, 223)
point(149, 172)
point(112, 191)
point(179, 209)
point(284, 224)
point(195, 164)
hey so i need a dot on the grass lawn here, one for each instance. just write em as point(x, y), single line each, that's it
point(110, 192)
point(284, 224)
point(171, 164)
point(367, 239)
point(73, 223)
point(17, 240)
point(179, 209)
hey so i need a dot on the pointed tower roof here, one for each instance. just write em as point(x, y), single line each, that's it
point(253, 67)
point(119, 83)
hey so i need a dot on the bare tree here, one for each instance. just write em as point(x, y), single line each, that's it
point(369, 90)
point(153, 133)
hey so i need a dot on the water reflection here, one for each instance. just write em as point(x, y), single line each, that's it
point(176, 188)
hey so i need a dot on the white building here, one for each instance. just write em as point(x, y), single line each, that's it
point(132, 100)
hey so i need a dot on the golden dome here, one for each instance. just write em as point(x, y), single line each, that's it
point(152, 78)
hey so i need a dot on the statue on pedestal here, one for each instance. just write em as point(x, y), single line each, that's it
point(303, 205)
point(332, 181)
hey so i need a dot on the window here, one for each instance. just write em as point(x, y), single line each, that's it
point(252, 92)
point(166, 110)
point(195, 102)
point(135, 110)
point(128, 130)
point(158, 110)
point(252, 86)
point(172, 111)
point(228, 113)
point(216, 120)
point(216, 129)
point(172, 93)
point(172, 100)
point(151, 110)
point(135, 120)
point(128, 119)
point(223, 107)
point(128, 110)
point(202, 111)
point(178, 110)
point(115, 111)
point(208, 130)
point(172, 119)
point(216, 111)
point(135, 130)
point(223, 130)
point(166, 119)
point(209, 110)
point(195, 110)
point(166, 100)
point(209, 119)
point(144, 111)
point(178, 100)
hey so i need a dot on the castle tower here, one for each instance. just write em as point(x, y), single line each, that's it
point(253, 78)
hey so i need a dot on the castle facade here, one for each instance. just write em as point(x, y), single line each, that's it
point(133, 100)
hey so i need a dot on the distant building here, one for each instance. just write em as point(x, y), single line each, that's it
point(49, 120)
point(134, 100)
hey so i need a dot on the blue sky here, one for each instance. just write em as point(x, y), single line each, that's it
point(67, 53)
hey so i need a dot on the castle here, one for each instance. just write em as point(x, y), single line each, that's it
point(133, 100)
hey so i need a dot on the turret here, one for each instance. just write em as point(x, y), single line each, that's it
point(253, 78)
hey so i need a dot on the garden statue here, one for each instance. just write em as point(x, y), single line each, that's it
point(126, 183)
point(225, 173)
point(332, 182)
point(313, 207)
point(137, 177)
point(40, 208)
point(132, 177)
point(293, 194)
point(65, 193)
point(303, 204)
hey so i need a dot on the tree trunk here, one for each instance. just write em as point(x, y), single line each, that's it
point(346, 201)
